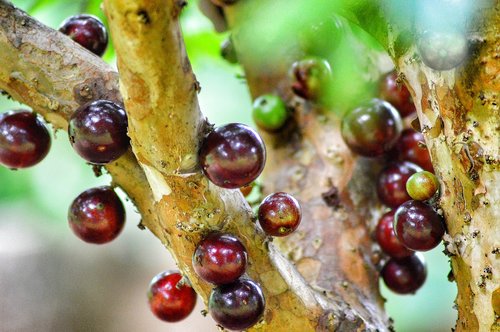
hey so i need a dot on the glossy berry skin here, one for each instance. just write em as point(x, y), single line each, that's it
point(396, 93)
point(409, 147)
point(418, 226)
point(422, 186)
point(321, 37)
point(391, 183)
point(237, 306)
point(388, 240)
point(220, 258)
point(311, 78)
point(97, 215)
point(372, 129)
point(232, 156)
point(169, 300)
point(405, 275)
point(279, 214)
point(24, 139)
point(269, 112)
point(98, 131)
point(88, 31)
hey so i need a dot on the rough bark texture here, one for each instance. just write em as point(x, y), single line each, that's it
point(459, 114)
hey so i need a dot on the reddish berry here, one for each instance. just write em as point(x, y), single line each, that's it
point(237, 306)
point(372, 129)
point(98, 131)
point(88, 31)
point(232, 156)
point(24, 140)
point(391, 184)
point(396, 93)
point(422, 186)
point(220, 258)
point(418, 226)
point(312, 77)
point(410, 148)
point(97, 215)
point(388, 240)
point(279, 214)
point(170, 300)
point(405, 275)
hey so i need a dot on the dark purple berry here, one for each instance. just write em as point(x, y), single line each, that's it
point(88, 31)
point(372, 129)
point(410, 147)
point(279, 214)
point(97, 215)
point(237, 306)
point(232, 156)
point(388, 240)
point(311, 78)
point(396, 93)
point(418, 226)
point(405, 275)
point(220, 258)
point(391, 184)
point(169, 299)
point(24, 139)
point(98, 131)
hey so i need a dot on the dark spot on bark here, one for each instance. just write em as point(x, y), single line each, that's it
point(143, 16)
point(197, 86)
point(331, 197)
point(451, 276)
point(97, 169)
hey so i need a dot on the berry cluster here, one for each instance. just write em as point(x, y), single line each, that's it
point(235, 303)
point(376, 129)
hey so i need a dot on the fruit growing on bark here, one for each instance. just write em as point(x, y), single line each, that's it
point(391, 183)
point(269, 112)
point(220, 258)
point(88, 31)
point(405, 275)
point(279, 214)
point(169, 299)
point(418, 226)
point(24, 139)
point(396, 93)
point(98, 131)
point(237, 306)
point(232, 156)
point(387, 239)
point(372, 129)
point(97, 215)
point(422, 186)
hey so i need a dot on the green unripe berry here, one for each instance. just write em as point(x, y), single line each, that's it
point(422, 186)
point(269, 112)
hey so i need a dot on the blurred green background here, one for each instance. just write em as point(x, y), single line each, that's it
point(39, 196)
